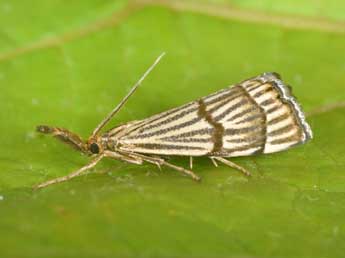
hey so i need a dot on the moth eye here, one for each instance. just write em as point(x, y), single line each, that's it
point(94, 148)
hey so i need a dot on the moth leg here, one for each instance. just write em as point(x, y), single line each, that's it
point(129, 159)
point(233, 165)
point(214, 161)
point(70, 176)
point(159, 161)
point(136, 156)
point(183, 170)
point(156, 161)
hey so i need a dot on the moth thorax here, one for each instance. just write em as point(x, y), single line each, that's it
point(110, 143)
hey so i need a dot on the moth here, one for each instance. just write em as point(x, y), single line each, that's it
point(258, 115)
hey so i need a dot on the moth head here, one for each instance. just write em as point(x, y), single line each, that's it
point(65, 136)
point(94, 145)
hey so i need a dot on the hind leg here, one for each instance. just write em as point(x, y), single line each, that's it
point(231, 164)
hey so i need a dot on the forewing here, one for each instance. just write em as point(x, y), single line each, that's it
point(258, 115)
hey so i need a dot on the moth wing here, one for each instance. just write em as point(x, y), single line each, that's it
point(258, 115)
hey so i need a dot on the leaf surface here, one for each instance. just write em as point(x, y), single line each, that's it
point(69, 65)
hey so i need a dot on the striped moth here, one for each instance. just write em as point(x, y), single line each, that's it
point(258, 115)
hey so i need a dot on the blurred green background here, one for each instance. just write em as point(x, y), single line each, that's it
point(67, 63)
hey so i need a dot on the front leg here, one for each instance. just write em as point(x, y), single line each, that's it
point(70, 176)
point(108, 154)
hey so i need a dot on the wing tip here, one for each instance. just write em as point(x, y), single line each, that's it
point(285, 91)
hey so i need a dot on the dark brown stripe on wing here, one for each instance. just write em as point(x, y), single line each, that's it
point(293, 138)
point(250, 119)
point(223, 103)
point(156, 146)
point(203, 131)
point(165, 130)
point(279, 118)
point(247, 139)
point(252, 87)
point(243, 113)
point(186, 140)
point(273, 109)
point(284, 129)
point(262, 92)
point(267, 102)
point(244, 130)
point(231, 108)
point(217, 135)
point(168, 120)
point(234, 92)
point(151, 123)
point(252, 82)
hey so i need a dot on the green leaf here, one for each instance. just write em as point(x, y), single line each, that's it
point(69, 64)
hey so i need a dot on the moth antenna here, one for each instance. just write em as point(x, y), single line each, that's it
point(124, 100)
